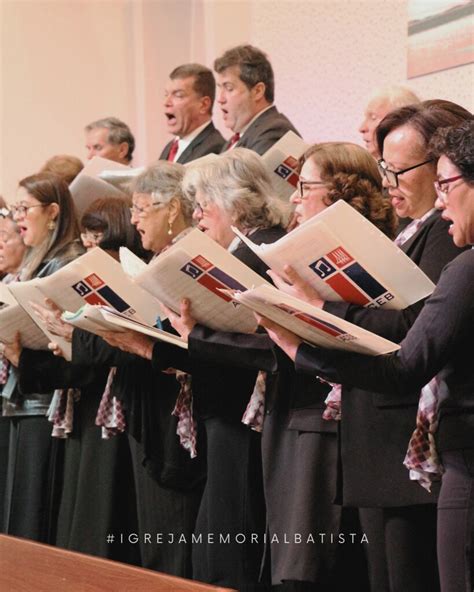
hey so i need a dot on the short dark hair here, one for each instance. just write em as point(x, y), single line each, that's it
point(254, 67)
point(457, 144)
point(425, 117)
point(118, 132)
point(111, 216)
point(204, 82)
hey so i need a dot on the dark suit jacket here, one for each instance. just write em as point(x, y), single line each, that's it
point(376, 426)
point(209, 141)
point(265, 131)
point(439, 343)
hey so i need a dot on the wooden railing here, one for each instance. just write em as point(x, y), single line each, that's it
point(26, 566)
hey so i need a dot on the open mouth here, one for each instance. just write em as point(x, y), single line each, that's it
point(170, 118)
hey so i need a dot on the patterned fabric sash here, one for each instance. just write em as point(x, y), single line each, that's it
point(110, 415)
point(4, 367)
point(422, 459)
point(254, 414)
point(333, 403)
point(61, 411)
point(183, 410)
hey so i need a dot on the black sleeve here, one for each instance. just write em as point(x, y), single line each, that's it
point(42, 372)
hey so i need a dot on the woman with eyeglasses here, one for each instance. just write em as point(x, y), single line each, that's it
point(168, 483)
point(97, 492)
point(438, 345)
point(46, 219)
point(373, 475)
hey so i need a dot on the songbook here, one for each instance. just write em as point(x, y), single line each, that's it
point(6, 297)
point(131, 264)
point(14, 319)
point(120, 178)
point(93, 278)
point(198, 268)
point(312, 324)
point(96, 319)
point(88, 186)
point(282, 162)
point(346, 258)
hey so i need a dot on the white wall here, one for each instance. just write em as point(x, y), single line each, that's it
point(65, 63)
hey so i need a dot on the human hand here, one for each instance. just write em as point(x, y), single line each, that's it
point(12, 351)
point(183, 322)
point(294, 285)
point(50, 315)
point(286, 340)
point(130, 341)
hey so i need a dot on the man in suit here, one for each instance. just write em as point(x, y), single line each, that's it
point(189, 97)
point(245, 84)
point(110, 138)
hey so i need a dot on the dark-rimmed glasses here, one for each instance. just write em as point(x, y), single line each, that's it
point(392, 176)
point(302, 184)
point(442, 187)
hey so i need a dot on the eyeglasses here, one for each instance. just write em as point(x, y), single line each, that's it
point(92, 237)
point(442, 187)
point(392, 176)
point(140, 212)
point(200, 209)
point(22, 210)
point(303, 194)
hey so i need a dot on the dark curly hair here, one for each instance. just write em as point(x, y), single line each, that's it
point(457, 143)
point(350, 173)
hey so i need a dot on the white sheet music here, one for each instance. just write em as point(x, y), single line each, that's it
point(93, 278)
point(281, 161)
point(198, 268)
point(14, 319)
point(313, 324)
point(346, 258)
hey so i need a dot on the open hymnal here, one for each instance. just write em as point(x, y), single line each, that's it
point(120, 178)
point(282, 162)
point(199, 269)
point(346, 258)
point(93, 278)
point(6, 296)
point(313, 324)
point(96, 319)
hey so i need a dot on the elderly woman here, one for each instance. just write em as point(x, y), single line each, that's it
point(437, 345)
point(45, 216)
point(373, 474)
point(168, 484)
point(12, 247)
point(232, 190)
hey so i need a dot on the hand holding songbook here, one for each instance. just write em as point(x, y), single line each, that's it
point(50, 315)
point(286, 340)
point(183, 322)
point(293, 284)
point(130, 341)
point(12, 351)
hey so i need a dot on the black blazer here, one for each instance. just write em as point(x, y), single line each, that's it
point(439, 343)
point(208, 141)
point(376, 425)
point(265, 131)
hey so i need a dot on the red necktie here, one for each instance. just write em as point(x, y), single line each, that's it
point(235, 138)
point(173, 150)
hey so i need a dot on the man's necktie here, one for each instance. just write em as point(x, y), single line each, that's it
point(173, 150)
point(235, 138)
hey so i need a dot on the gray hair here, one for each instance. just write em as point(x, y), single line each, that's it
point(163, 181)
point(238, 182)
point(396, 96)
point(118, 132)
